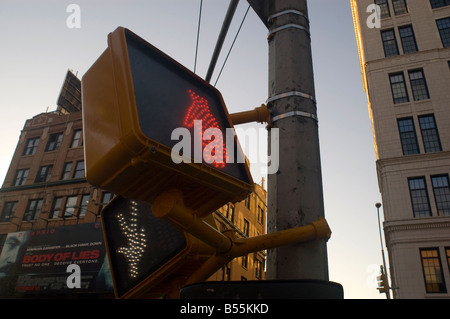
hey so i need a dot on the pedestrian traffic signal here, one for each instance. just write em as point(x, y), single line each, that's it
point(148, 256)
point(150, 124)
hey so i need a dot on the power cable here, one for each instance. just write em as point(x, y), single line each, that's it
point(198, 34)
point(229, 51)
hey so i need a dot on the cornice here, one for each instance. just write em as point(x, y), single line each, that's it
point(417, 224)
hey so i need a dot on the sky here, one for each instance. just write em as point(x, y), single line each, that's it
point(39, 43)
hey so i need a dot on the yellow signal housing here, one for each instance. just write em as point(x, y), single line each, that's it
point(134, 97)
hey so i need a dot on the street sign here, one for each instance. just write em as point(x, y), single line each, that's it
point(150, 125)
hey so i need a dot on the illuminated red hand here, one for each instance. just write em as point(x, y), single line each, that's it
point(199, 110)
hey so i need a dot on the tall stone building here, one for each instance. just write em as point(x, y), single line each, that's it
point(46, 201)
point(405, 60)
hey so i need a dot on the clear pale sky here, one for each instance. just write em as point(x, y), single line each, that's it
point(37, 49)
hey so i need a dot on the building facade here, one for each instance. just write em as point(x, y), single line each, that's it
point(46, 196)
point(248, 219)
point(405, 60)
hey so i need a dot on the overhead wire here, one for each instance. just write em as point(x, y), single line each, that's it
point(198, 34)
point(229, 51)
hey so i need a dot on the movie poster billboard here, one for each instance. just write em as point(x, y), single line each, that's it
point(55, 261)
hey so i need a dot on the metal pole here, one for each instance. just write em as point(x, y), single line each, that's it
point(295, 193)
point(378, 205)
point(223, 33)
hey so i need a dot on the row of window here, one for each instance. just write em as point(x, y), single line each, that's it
point(429, 133)
point(417, 82)
point(401, 7)
point(229, 213)
point(420, 200)
point(408, 39)
point(406, 33)
point(246, 224)
point(44, 173)
point(432, 269)
point(53, 144)
point(63, 207)
point(258, 263)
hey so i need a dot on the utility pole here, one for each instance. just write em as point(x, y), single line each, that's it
point(295, 194)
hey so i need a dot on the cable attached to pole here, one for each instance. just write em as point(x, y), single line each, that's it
point(198, 34)
point(232, 45)
point(223, 32)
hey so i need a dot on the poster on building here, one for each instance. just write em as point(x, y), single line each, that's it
point(55, 261)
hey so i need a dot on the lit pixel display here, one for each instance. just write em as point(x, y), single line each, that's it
point(200, 111)
point(135, 237)
point(169, 96)
point(138, 243)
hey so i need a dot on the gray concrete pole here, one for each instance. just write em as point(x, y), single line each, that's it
point(295, 194)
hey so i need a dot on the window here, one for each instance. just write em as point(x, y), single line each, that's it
point(408, 39)
point(441, 191)
point(33, 209)
point(71, 203)
point(430, 134)
point(76, 141)
point(230, 213)
point(21, 177)
point(399, 7)
point(444, 30)
point(398, 87)
point(247, 202)
point(245, 261)
point(384, 6)
point(419, 197)
point(260, 215)
point(79, 170)
point(57, 207)
point(408, 136)
point(447, 252)
point(432, 271)
point(226, 273)
point(43, 174)
point(8, 211)
point(31, 146)
point(106, 198)
point(389, 43)
point(418, 85)
point(83, 205)
point(246, 229)
point(439, 3)
point(66, 171)
point(54, 142)
point(258, 268)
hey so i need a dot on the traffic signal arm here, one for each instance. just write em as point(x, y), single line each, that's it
point(318, 230)
point(260, 114)
point(170, 205)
